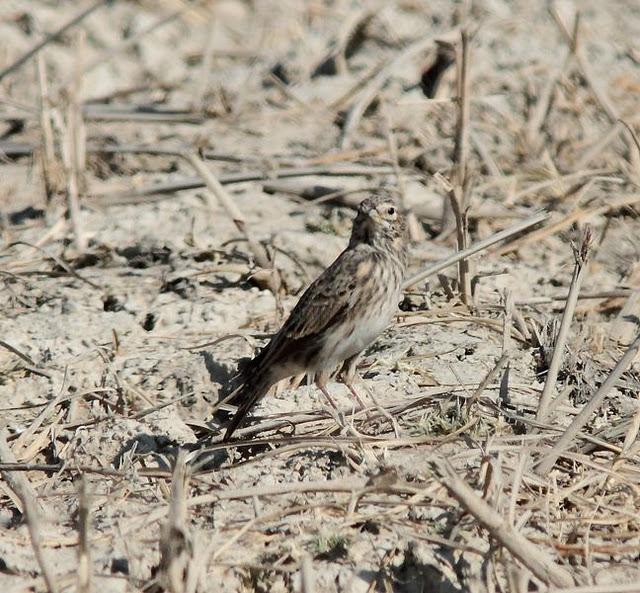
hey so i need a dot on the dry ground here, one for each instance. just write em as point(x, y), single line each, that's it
point(121, 273)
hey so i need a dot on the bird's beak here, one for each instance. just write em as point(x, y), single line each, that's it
point(369, 210)
point(373, 214)
point(366, 206)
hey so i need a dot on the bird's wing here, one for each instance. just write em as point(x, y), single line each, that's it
point(329, 296)
point(323, 304)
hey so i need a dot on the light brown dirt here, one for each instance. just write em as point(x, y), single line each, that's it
point(123, 332)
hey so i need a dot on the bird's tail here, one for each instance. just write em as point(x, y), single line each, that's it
point(254, 388)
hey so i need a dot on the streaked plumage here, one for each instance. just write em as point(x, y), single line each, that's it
point(341, 313)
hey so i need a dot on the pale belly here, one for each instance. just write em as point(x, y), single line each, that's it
point(357, 335)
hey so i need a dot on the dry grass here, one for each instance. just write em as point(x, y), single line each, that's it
point(500, 451)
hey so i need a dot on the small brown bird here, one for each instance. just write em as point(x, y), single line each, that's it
point(341, 313)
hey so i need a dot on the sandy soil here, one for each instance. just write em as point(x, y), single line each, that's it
point(121, 325)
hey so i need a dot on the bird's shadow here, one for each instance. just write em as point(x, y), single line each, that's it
point(161, 449)
point(161, 452)
point(218, 372)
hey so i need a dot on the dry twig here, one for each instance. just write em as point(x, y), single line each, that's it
point(52, 37)
point(581, 255)
point(74, 149)
point(476, 248)
point(306, 575)
point(84, 550)
point(30, 509)
point(594, 81)
point(48, 156)
point(176, 549)
point(566, 221)
point(216, 189)
point(535, 559)
point(371, 89)
point(585, 414)
point(458, 194)
point(170, 187)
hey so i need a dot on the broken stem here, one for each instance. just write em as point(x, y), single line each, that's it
point(581, 255)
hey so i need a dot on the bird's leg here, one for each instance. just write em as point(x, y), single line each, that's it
point(349, 375)
point(321, 381)
point(296, 381)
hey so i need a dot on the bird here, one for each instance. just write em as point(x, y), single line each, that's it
point(340, 314)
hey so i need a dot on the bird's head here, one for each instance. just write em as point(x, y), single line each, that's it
point(380, 222)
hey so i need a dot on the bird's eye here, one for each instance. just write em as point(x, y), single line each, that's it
point(391, 211)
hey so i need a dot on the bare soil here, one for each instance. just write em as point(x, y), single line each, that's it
point(122, 322)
